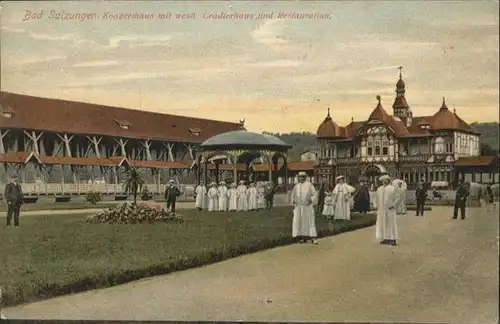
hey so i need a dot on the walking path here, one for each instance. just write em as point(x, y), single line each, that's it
point(443, 270)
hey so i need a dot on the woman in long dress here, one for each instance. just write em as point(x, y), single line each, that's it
point(232, 195)
point(212, 197)
point(252, 197)
point(261, 201)
point(242, 197)
point(201, 195)
point(222, 194)
point(328, 205)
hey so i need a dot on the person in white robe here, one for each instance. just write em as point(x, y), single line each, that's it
point(252, 197)
point(401, 190)
point(232, 195)
point(328, 210)
point(386, 200)
point(242, 196)
point(222, 194)
point(261, 201)
point(201, 193)
point(212, 197)
point(341, 199)
point(304, 198)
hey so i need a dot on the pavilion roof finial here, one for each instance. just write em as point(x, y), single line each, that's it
point(400, 71)
point(328, 115)
point(378, 99)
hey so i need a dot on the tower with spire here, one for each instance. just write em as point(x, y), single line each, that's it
point(400, 107)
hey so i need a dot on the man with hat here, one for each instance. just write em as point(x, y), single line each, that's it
point(304, 197)
point(362, 198)
point(242, 196)
point(420, 197)
point(222, 193)
point(14, 196)
point(386, 200)
point(460, 200)
point(171, 194)
point(341, 194)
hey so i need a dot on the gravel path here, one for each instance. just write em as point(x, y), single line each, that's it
point(444, 270)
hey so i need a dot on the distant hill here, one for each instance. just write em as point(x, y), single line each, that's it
point(489, 133)
point(300, 141)
point(307, 141)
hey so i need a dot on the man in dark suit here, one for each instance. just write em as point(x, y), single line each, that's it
point(420, 196)
point(14, 197)
point(460, 200)
point(269, 192)
point(171, 194)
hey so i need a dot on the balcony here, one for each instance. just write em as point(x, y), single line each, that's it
point(348, 160)
point(420, 158)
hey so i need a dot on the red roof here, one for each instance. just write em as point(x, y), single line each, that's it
point(301, 165)
point(17, 157)
point(328, 128)
point(54, 115)
point(162, 164)
point(476, 161)
point(83, 161)
point(442, 120)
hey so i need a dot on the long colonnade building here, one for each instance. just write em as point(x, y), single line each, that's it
point(55, 144)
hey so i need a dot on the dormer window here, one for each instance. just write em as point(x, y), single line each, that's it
point(124, 124)
point(7, 112)
point(425, 126)
point(195, 131)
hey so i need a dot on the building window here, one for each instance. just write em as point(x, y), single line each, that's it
point(370, 148)
point(195, 131)
point(385, 148)
point(377, 147)
point(356, 152)
point(449, 147)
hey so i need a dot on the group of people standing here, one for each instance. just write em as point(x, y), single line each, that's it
point(234, 197)
point(389, 200)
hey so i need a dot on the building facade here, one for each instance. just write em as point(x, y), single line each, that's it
point(308, 156)
point(437, 148)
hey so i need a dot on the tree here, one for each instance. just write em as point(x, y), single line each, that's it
point(487, 150)
point(133, 181)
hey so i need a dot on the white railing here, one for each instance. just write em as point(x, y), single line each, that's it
point(53, 189)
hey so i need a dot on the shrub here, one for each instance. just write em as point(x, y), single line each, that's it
point(93, 197)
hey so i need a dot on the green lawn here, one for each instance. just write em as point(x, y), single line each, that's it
point(54, 255)
point(59, 206)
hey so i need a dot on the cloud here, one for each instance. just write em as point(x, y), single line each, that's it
point(139, 40)
point(96, 64)
point(268, 33)
point(276, 64)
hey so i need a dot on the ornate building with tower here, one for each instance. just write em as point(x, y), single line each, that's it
point(437, 148)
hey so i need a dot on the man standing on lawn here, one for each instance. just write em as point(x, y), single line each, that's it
point(304, 197)
point(171, 194)
point(14, 196)
point(460, 200)
point(386, 200)
point(269, 195)
point(420, 196)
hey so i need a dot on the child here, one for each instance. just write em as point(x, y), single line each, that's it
point(328, 205)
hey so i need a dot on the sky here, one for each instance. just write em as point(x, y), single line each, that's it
point(278, 73)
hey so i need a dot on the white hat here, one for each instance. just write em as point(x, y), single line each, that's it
point(222, 183)
point(171, 181)
point(339, 177)
point(302, 174)
point(213, 184)
point(384, 177)
point(242, 181)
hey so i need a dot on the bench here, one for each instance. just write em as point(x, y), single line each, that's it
point(30, 199)
point(121, 197)
point(62, 199)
